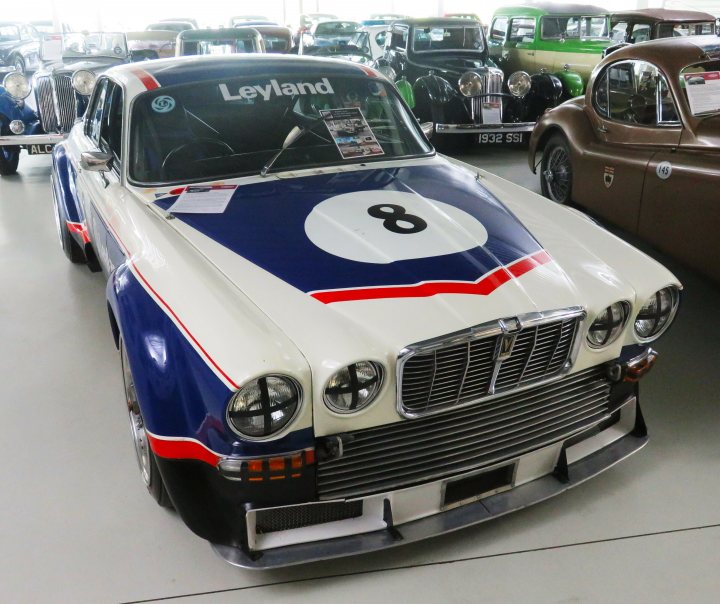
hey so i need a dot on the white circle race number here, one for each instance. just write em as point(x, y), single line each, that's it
point(664, 170)
point(386, 226)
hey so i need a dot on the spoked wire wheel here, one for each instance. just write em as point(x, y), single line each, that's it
point(557, 172)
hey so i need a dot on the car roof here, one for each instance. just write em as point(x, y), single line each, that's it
point(671, 54)
point(552, 8)
point(441, 21)
point(663, 14)
point(200, 68)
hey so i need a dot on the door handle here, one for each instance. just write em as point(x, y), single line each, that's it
point(531, 53)
point(602, 129)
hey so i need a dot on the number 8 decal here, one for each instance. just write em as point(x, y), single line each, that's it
point(393, 217)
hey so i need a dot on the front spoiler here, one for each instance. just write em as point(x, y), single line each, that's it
point(23, 140)
point(444, 522)
point(484, 128)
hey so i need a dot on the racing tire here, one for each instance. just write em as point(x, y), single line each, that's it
point(70, 247)
point(556, 170)
point(9, 159)
point(149, 470)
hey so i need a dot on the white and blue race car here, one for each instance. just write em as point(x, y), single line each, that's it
point(334, 340)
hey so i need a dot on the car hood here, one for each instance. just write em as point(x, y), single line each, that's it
point(70, 65)
point(425, 235)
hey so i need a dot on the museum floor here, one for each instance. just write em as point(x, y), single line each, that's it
point(76, 524)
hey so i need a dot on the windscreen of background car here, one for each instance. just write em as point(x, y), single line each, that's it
point(701, 85)
point(94, 45)
point(9, 33)
point(427, 39)
point(336, 28)
point(234, 126)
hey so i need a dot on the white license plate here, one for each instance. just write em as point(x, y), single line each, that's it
point(39, 149)
point(499, 138)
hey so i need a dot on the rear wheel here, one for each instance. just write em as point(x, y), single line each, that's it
point(145, 457)
point(556, 170)
point(9, 158)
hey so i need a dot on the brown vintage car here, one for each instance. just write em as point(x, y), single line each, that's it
point(641, 148)
point(653, 23)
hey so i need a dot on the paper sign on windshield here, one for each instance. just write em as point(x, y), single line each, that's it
point(212, 199)
point(351, 133)
point(703, 91)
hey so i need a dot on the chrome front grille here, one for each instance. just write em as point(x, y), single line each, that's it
point(416, 451)
point(487, 108)
point(489, 359)
point(56, 102)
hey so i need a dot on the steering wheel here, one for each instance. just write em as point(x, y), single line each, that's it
point(184, 151)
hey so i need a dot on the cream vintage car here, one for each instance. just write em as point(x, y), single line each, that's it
point(334, 340)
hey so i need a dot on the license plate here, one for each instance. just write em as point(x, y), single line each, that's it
point(500, 138)
point(39, 149)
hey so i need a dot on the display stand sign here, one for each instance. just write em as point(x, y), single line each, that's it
point(211, 199)
point(703, 91)
point(351, 132)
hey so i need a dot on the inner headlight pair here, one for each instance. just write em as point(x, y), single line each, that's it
point(652, 320)
point(471, 84)
point(266, 405)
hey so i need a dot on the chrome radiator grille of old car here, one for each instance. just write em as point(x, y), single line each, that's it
point(492, 80)
point(56, 102)
point(416, 451)
point(488, 359)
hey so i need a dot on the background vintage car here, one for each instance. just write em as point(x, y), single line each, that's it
point(452, 82)
point(276, 38)
point(228, 40)
point(151, 44)
point(19, 47)
point(353, 351)
point(567, 40)
point(633, 152)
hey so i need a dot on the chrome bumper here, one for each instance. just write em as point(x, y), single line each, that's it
point(565, 476)
point(22, 140)
point(483, 128)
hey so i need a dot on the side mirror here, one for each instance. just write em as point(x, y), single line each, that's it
point(96, 161)
point(428, 129)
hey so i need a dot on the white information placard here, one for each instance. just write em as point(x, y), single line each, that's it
point(351, 132)
point(203, 199)
point(703, 91)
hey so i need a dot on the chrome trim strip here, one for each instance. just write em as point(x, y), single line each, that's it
point(16, 140)
point(443, 522)
point(484, 330)
point(483, 128)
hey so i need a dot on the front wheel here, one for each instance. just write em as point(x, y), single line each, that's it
point(145, 457)
point(9, 158)
point(556, 170)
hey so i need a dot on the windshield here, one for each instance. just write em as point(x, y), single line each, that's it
point(234, 126)
point(336, 28)
point(701, 84)
point(9, 33)
point(94, 45)
point(219, 46)
point(448, 38)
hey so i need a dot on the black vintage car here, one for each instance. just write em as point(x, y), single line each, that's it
point(442, 68)
point(19, 47)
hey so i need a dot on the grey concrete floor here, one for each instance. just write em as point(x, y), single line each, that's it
point(76, 524)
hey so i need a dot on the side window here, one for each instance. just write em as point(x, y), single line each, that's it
point(554, 28)
point(111, 121)
point(399, 38)
point(94, 111)
point(635, 92)
point(641, 33)
point(522, 29)
point(619, 31)
point(498, 29)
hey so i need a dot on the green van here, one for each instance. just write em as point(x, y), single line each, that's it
point(567, 40)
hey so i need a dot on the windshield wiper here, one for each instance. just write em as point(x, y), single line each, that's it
point(295, 135)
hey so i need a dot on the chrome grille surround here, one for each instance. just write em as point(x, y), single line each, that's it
point(56, 102)
point(492, 79)
point(406, 453)
point(467, 366)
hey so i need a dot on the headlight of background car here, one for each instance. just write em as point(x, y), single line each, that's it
point(657, 313)
point(17, 85)
point(608, 325)
point(470, 84)
point(83, 81)
point(264, 406)
point(519, 84)
point(353, 387)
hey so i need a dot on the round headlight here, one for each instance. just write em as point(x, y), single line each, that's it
point(608, 325)
point(657, 313)
point(83, 81)
point(470, 84)
point(519, 84)
point(17, 85)
point(353, 387)
point(264, 406)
